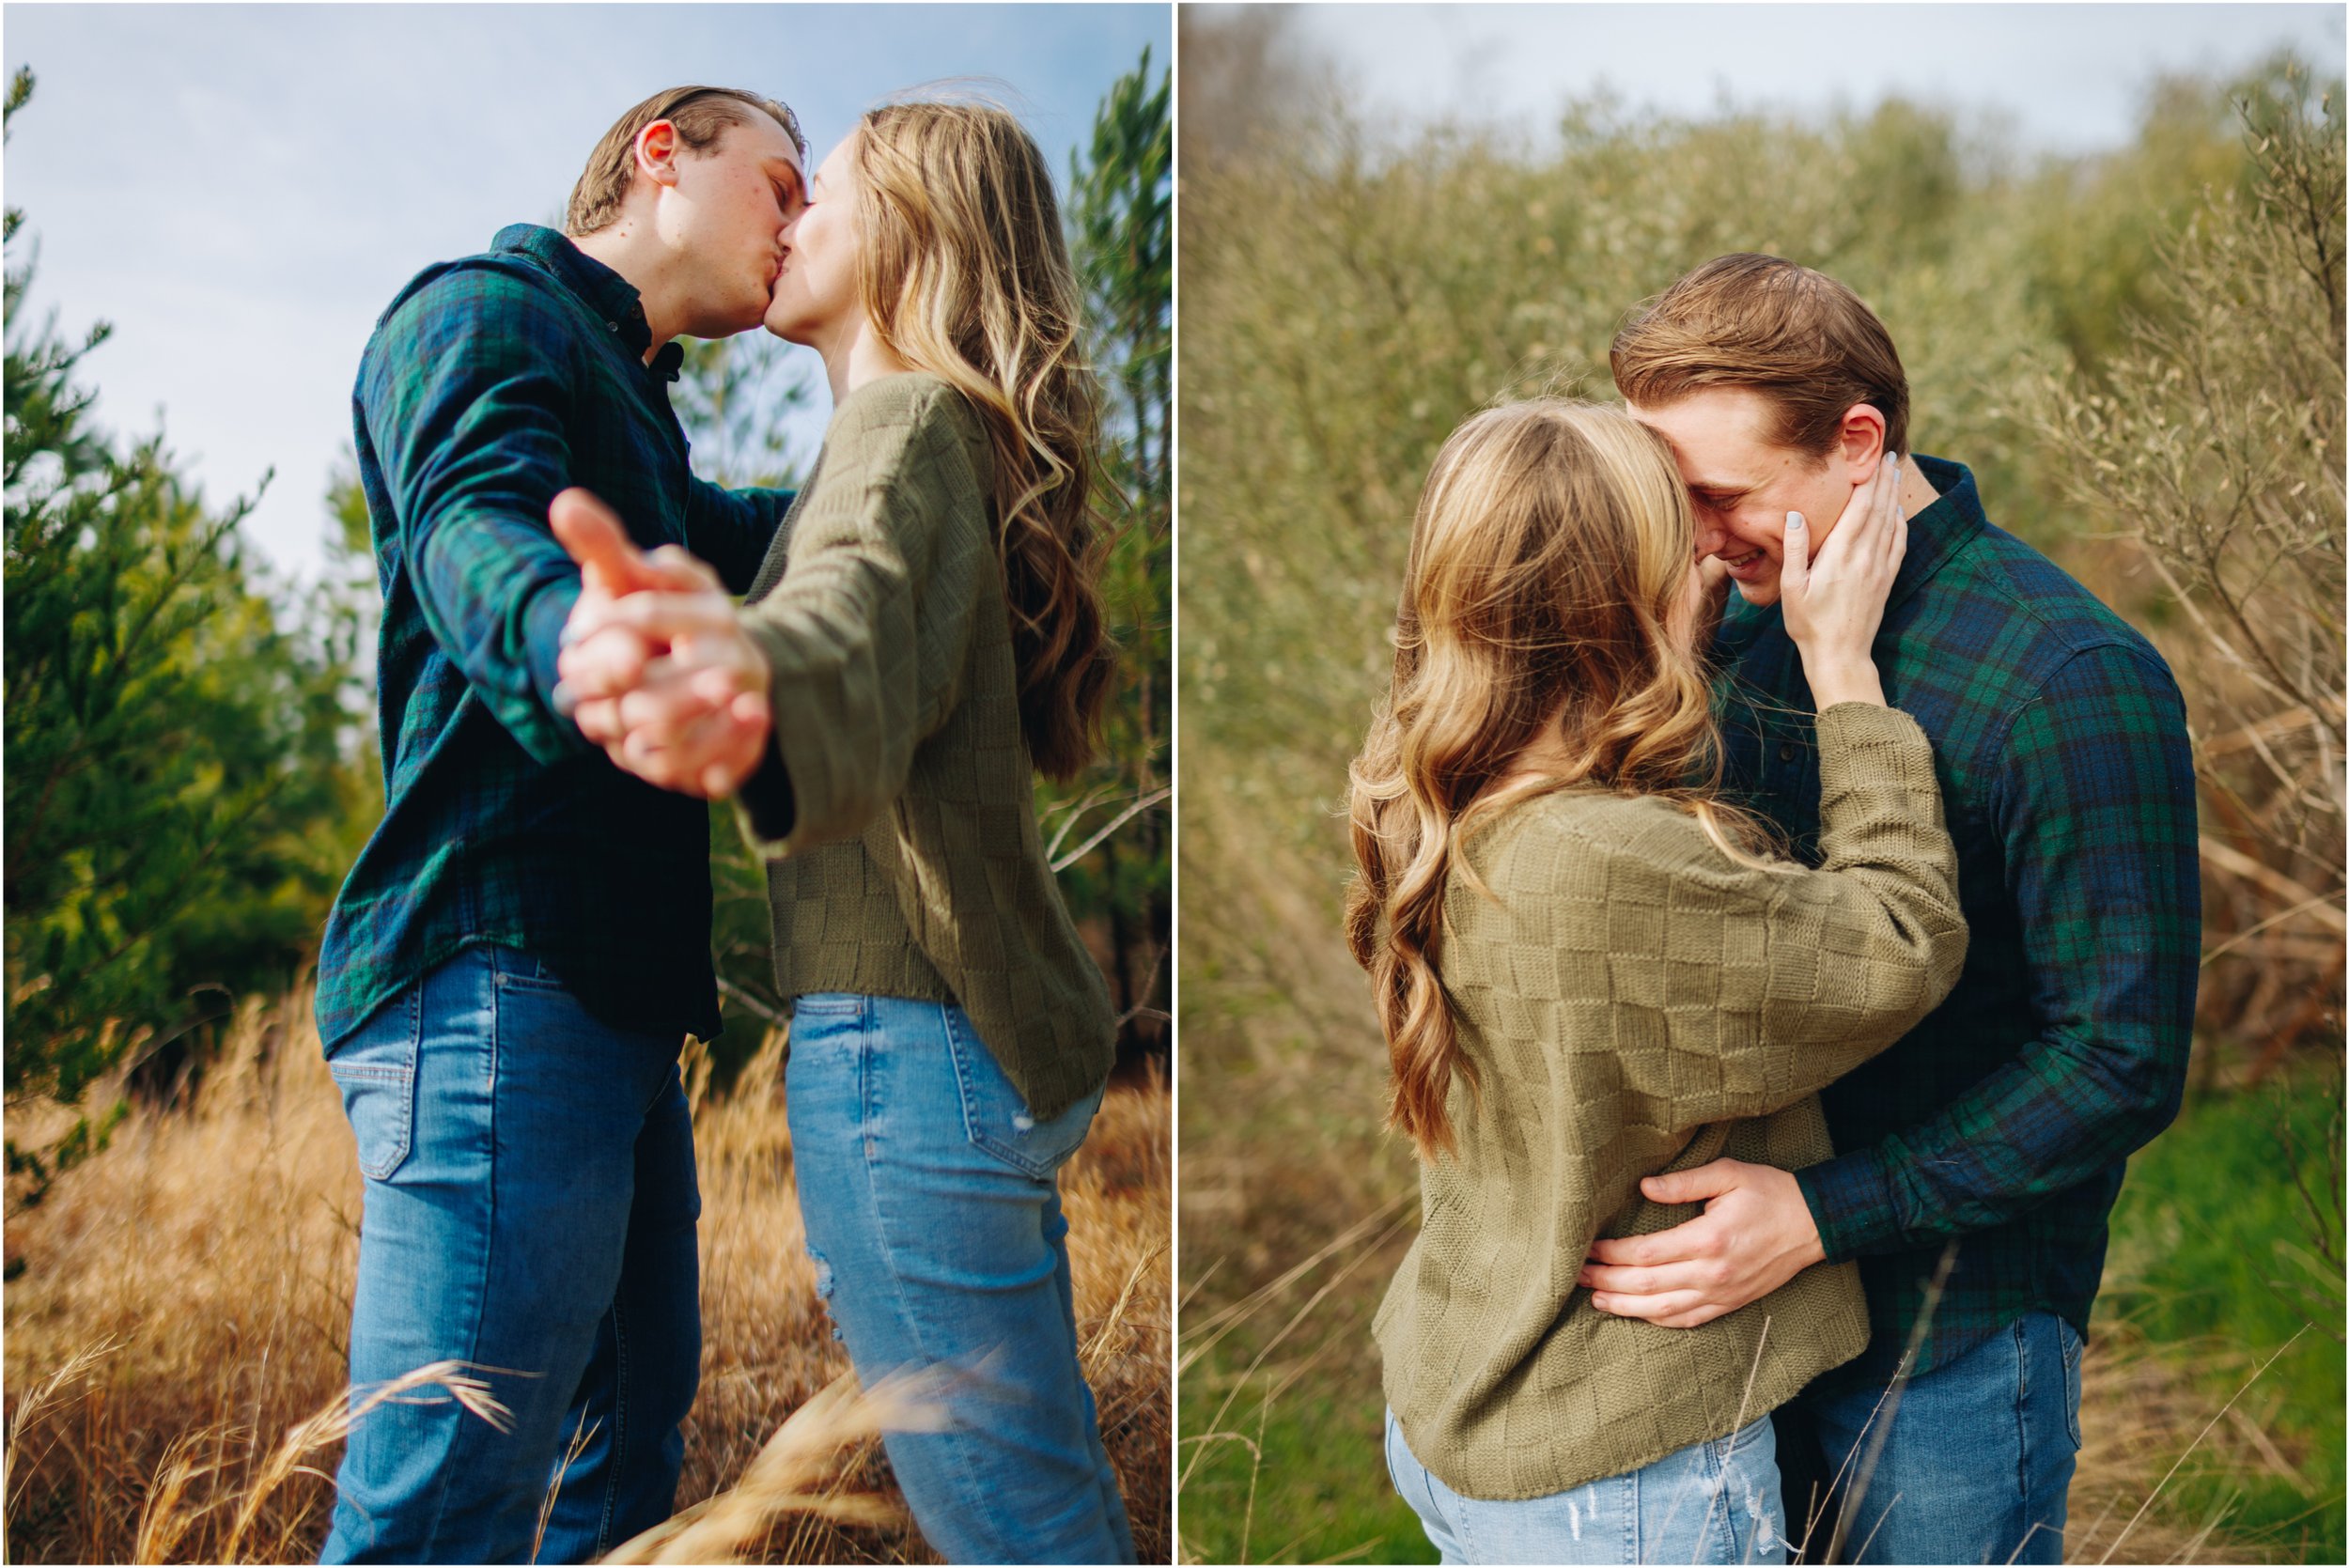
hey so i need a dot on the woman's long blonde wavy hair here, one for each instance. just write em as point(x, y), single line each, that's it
point(1549, 555)
point(965, 273)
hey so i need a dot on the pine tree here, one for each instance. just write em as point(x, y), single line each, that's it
point(1120, 217)
point(172, 747)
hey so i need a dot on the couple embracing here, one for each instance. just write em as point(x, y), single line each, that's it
point(567, 678)
point(1775, 980)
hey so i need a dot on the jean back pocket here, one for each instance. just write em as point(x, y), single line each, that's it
point(375, 1067)
point(998, 1120)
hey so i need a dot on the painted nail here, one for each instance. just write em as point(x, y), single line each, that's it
point(1794, 520)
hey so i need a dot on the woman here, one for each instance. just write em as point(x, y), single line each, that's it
point(1587, 974)
point(926, 634)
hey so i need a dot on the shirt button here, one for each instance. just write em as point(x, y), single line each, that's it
point(612, 326)
point(1785, 750)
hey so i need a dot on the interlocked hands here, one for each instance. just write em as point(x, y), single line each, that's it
point(656, 667)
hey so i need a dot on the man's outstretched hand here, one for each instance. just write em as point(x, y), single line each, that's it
point(656, 668)
point(1756, 1233)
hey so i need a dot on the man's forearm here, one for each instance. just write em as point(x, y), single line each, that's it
point(497, 607)
point(2059, 1115)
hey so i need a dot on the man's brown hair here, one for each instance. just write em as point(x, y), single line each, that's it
point(701, 116)
point(1801, 340)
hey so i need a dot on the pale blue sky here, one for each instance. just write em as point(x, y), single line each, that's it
point(240, 189)
point(2071, 76)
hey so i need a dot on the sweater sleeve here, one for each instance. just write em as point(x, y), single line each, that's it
point(866, 634)
point(1734, 993)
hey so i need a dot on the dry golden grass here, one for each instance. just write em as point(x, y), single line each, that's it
point(176, 1342)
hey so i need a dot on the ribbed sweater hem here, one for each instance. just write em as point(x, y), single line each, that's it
point(1827, 1341)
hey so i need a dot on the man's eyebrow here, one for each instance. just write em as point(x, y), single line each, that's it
point(1719, 486)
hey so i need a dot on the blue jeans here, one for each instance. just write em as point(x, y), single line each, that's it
point(931, 1211)
point(1711, 1502)
point(1977, 1457)
point(530, 1210)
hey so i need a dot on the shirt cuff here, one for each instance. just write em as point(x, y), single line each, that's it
point(542, 645)
point(1851, 1203)
point(765, 807)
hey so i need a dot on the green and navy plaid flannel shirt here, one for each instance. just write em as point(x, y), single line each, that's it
point(2004, 1120)
point(491, 383)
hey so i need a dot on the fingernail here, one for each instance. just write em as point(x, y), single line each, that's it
point(565, 698)
point(1794, 520)
point(569, 635)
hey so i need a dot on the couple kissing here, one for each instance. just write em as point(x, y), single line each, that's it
point(567, 678)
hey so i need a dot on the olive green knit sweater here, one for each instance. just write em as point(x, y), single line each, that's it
point(1634, 1002)
point(904, 859)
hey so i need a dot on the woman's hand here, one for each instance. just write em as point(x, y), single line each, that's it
point(1834, 605)
point(656, 668)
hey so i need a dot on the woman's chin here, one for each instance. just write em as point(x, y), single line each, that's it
point(786, 328)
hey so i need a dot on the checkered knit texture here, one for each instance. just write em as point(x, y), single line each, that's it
point(1635, 1001)
point(913, 865)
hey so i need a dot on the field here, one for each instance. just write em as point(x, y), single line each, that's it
point(2142, 370)
point(2211, 1275)
point(178, 1305)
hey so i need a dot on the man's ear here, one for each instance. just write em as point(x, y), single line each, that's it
point(656, 152)
point(1861, 441)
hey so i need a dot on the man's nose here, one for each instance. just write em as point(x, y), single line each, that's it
point(1712, 538)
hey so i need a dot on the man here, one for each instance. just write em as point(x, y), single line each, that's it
point(1981, 1152)
point(523, 944)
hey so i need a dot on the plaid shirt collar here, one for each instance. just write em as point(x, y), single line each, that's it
point(604, 292)
point(1937, 534)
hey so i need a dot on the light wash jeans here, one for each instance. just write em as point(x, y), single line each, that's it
point(1978, 1455)
point(530, 1210)
point(1711, 1502)
point(934, 1218)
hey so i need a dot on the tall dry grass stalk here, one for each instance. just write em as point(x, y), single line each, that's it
point(793, 1474)
point(2147, 1416)
point(176, 1340)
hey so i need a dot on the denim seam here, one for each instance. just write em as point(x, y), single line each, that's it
point(1711, 1529)
point(884, 1228)
point(1113, 1513)
point(1629, 1503)
point(2073, 1350)
point(2022, 1416)
point(481, 1282)
point(961, 1450)
point(1457, 1519)
point(1433, 1507)
point(617, 1466)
